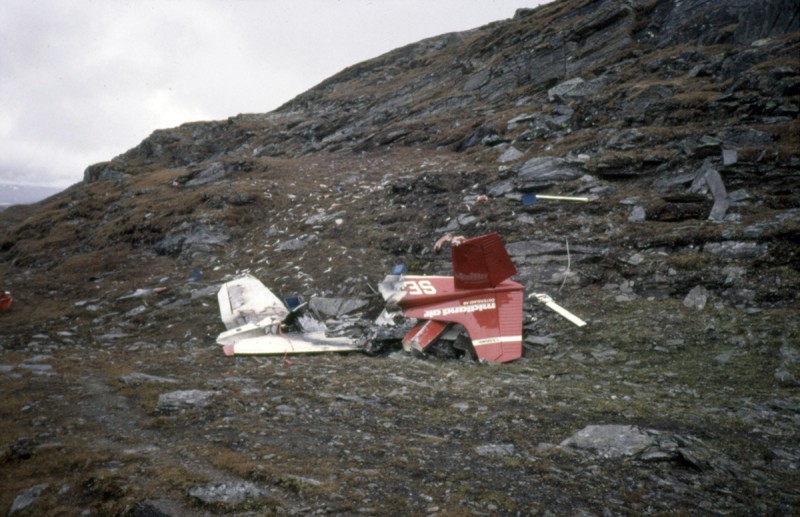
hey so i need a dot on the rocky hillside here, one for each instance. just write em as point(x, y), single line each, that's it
point(679, 120)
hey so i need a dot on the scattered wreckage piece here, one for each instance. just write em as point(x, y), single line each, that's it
point(533, 198)
point(246, 300)
point(479, 297)
point(255, 318)
point(6, 300)
point(548, 301)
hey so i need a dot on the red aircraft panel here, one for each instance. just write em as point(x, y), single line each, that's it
point(479, 297)
point(421, 336)
point(481, 262)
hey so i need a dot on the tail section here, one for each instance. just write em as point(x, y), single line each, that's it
point(492, 318)
point(479, 297)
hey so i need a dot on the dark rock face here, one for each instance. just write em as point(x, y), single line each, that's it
point(758, 20)
point(188, 238)
point(677, 120)
point(227, 496)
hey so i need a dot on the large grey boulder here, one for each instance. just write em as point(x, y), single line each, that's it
point(191, 237)
point(214, 172)
point(547, 169)
point(610, 441)
point(227, 494)
point(102, 171)
point(297, 243)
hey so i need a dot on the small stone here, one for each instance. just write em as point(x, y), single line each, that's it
point(540, 340)
point(636, 259)
point(184, 399)
point(27, 498)
point(135, 378)
point(697, 298)
point(495, 450)
point(510, 154)
point(784, 377)
point(286, 410)
point(637, 215)
point(297, 243)
point(724, 357)
point(227, 493)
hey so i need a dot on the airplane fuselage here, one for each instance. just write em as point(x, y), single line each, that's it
point(492, 316)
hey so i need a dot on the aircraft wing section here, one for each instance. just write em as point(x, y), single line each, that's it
point(253, 316)
point(312, 343)
point(246, 300)
point(481, 262)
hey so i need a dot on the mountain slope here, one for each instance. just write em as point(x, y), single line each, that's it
point(643, 92)
point(679, 120)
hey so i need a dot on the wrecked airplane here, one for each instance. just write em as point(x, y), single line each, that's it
point(477, 311)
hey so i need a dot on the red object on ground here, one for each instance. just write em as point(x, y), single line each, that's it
point(5, 301)
point(479, 296)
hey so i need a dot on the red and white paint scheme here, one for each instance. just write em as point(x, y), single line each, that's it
point(479, 296)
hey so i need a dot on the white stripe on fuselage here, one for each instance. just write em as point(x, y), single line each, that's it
point(495, 340)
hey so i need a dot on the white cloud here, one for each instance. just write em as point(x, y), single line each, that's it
point(85, 81)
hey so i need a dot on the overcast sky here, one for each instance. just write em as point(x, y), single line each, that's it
point(82, 81)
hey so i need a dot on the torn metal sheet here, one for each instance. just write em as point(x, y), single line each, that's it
point(548, 301)
point(255, 318)
point(387, 317)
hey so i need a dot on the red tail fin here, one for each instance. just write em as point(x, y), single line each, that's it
point(481, 262)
